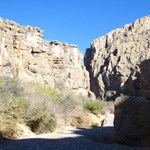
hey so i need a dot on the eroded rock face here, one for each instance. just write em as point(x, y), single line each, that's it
point(113, 60)
point(25, 54)
point(144, 79)
point(132, 119)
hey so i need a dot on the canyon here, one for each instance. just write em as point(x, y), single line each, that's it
point(113, 61)
point(116, 68)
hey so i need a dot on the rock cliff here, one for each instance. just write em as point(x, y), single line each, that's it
point(113, 60)
point(25, 54)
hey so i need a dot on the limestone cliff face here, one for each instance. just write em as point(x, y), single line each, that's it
point(25, 54)
point(113, 60)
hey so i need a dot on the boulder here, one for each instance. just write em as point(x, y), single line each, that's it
point(132, 121)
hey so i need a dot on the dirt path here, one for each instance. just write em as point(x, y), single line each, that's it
point(69, 139)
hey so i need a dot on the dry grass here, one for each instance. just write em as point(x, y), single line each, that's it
point(43, 109)
point(108, 107)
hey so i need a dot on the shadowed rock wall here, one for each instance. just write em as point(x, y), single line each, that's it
point(113, 60)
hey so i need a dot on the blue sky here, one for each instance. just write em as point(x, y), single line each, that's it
point(76, 22)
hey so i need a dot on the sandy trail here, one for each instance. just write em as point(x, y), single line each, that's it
point(70, 139)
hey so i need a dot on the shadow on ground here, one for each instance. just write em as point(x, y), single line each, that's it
point(96, 138)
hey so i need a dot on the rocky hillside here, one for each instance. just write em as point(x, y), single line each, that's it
point(113, 60)
point(25, 54)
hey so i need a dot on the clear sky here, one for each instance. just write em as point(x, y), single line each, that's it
point(76, 22)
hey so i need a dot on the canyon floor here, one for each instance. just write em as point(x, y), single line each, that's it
point(97, 138)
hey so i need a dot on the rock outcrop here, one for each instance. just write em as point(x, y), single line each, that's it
point(25, 54)
point(132, 120)
point(113, 60)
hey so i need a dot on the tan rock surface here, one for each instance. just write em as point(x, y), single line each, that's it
point(25, 54)
point(113, 60)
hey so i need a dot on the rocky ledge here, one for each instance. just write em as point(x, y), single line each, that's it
point(26, 55)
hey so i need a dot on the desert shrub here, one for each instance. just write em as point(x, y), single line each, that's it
point(12, 107)
point(41, 124)
point(19, 110)
point(41, 112)
point(40, 120)
point(8, 127)
point(108, 107)
point(73, 112)
point(70, 103)
point(10, 86)
point(40, 115)
point(94, 107)
point(10, 114)
point(35, 108)
point(41, 108)
point(51, 92)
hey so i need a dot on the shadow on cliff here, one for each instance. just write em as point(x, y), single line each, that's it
point(97, 138)
point(140, 86)
point(106, 86)
point(144, 82)
point(137, 83)
point(132, 110)
point(94, 85)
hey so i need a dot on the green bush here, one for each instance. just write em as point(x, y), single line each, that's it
point(94, 107)
point(48, 91)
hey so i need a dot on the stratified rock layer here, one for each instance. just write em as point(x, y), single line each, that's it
point(113, 60)
point(25, 54)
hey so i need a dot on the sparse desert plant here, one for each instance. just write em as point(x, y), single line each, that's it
point(108, 107)
point(10, 86)
point(40, 113)
point(51, 92)
point(12, 107)
point(8, 127)
point(70, 104)
point(41, 122)
point(73, 111)
point(10, 114)
point(41, 108)
point(94, 107)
